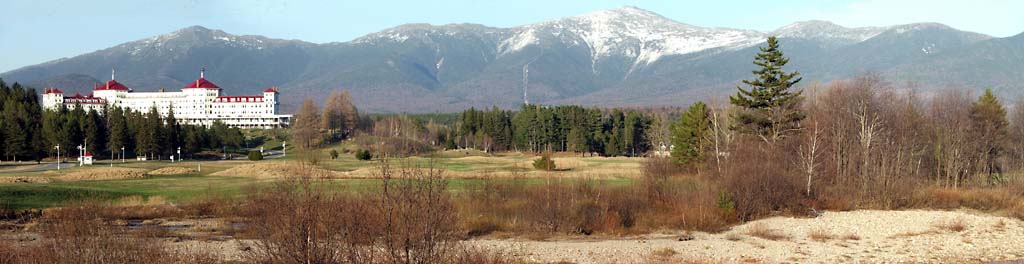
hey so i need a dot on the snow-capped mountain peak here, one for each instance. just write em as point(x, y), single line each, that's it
point(631, 32)
point(827, 31)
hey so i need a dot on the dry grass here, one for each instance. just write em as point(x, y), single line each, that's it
point(820, 235)
point(762, 231)
point(663, 255)
point(850, 236)
point(172, 171)
point(954, 225)
point(99, 173)
point(278, 169)
point(20, 179)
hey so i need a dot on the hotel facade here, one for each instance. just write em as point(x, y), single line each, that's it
point(199, 103)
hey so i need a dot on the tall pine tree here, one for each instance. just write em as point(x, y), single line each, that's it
point(989, 127)
point(769, 109)
point(690, 134)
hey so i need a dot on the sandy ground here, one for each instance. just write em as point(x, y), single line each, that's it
point(841, 237)
point(277, 169)
point(172, 171)
point(97, 173)
point(844, 237)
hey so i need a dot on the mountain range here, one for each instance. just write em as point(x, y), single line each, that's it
point(620, 57)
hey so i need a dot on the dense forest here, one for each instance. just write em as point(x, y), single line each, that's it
point(538, 128)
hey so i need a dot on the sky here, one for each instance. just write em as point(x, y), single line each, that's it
point(36, 31)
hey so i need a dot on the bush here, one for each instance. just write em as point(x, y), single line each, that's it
point(255, 155)
point(363, 154)
point(334, 154)
point(760, 181)
point(544, 163)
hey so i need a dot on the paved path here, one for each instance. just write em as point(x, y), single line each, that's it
point(43, 167)
point(268, 154)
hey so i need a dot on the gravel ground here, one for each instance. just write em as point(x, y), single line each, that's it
point(841, 237)
point(834, 237)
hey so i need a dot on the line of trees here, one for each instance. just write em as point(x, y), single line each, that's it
point(861, 139)
point(32, 133)
point(20, 128)
point(139, 134)
point(338, 120)
point(571, 128)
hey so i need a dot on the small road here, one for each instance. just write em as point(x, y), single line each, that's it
point(43, 167)
point(268, 154)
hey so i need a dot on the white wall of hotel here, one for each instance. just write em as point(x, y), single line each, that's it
point(199, 103)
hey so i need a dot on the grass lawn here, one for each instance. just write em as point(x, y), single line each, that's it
point(466, 167)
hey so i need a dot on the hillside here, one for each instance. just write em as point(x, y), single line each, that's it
point(620, 57)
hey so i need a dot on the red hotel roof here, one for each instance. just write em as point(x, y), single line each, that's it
point(111, 85)
point(202, 83)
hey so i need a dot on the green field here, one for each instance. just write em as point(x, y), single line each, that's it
point(468, 169)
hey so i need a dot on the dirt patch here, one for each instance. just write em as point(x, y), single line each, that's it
point(24, 180)
point(94, 174)
point(277, 170)
point(172, 171)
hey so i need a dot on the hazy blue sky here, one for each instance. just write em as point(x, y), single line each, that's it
point(35, 31)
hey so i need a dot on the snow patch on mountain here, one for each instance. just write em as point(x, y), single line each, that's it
point(827, 32)
point(634, 33)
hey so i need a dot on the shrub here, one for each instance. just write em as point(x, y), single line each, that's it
point(363, 154)
point(255, 155)
point(334, 154)
point(762, 231)
point(760, 180)
point(820, 235)
point(411, 220)
point(544, 163)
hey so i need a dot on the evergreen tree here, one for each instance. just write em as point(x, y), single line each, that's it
point(689, 135)
point(577, 140)
point(769, 109)
point(172, 133)
point(989, 127)
point(148, 137)
point(194, 140)
point(15, 139)
point(95, 131)
point(117, 129)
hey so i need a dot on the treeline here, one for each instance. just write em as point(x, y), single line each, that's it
point(538, 128)
point(138, 134)
point(20, 113)
point(31, 133)
point(859, 141)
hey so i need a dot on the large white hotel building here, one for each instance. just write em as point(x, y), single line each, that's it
point(198, 103)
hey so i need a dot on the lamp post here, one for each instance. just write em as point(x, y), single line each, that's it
point(58, 156)
point(81, 161)
point(122, 154)
point(179, 154)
